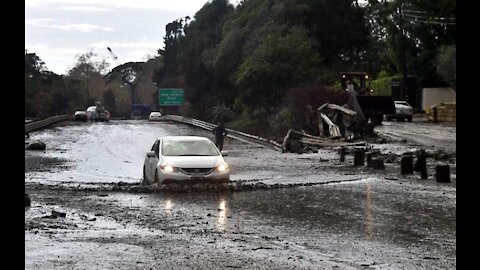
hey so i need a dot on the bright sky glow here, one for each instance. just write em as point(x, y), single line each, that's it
point(58, 30)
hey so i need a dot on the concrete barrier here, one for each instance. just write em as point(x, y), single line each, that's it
point(444, 112)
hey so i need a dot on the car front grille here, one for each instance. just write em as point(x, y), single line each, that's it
point(201, 171)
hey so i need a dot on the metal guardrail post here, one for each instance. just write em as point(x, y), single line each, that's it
point(45, 122)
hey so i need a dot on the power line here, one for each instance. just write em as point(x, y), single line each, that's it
point(428, 17)
point(429, 22)
point(414, 11)
point(417, 19)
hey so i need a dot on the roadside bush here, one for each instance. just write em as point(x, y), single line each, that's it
point(383, 85)
point(282, 121)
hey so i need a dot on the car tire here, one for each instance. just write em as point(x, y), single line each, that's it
point(156, 177)
point(409, 118)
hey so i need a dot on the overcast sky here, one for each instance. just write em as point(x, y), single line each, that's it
point(58, 30)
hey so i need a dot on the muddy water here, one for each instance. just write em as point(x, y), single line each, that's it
point(115, 151)
point(427, 134)
point(380, 224)
point(102, 152)
point(381, 220)
point(365, 221)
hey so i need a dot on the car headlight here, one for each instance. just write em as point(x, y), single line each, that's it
point(167, 168)
point(222, 167)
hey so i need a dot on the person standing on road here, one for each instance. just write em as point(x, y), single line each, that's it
point(220, 133)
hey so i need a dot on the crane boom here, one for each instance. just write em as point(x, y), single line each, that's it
point(112, 54)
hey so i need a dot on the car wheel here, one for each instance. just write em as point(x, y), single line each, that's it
point(409, 118)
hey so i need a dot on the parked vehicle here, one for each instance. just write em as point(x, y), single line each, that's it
point(80, 116)
point(184, 159)
point(403, 111)
point(98, 113)
point(154, 116)
point(90, 112)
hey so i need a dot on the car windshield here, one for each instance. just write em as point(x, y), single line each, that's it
point(188, 148)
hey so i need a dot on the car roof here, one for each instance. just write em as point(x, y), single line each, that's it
point(182, 138)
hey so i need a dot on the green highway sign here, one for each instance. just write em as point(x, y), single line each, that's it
point(171, 96)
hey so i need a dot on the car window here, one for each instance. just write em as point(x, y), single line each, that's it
point(188, 148)
point(402, 103)
point(153, 146)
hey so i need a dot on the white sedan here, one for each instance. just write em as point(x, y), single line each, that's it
point(154, 116)
point(184, 159)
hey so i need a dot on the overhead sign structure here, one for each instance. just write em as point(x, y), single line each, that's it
point(171, 96)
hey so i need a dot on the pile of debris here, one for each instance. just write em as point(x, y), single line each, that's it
point(331, 125)
point(301, 142)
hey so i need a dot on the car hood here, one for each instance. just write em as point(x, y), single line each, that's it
point(194, 161)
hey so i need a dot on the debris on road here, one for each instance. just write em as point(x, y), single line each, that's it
point(299, 142)
point(37, 146)
point(56, 214)
point(340, 121)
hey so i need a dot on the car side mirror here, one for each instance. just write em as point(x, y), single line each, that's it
point(151, 154)
point(224, 153)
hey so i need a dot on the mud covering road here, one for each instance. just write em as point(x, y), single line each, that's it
point(282, 211)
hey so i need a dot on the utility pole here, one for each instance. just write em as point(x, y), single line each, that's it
point(402, 55)
point(26, 84)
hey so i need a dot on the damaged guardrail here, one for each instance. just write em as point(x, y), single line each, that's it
point(46, 122)
point(238, 135)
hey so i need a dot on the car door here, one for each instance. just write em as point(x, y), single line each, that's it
point(154, 160)
point(149, 161)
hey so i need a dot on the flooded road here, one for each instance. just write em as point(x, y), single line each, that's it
point(365, 220)
point(442, 136)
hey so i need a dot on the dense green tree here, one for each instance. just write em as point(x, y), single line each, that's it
point(204, 88)
point(90, 70)
point(109, 100)
point(129, 74)
point(284, 59)
point(409, 33)
point(446, 64)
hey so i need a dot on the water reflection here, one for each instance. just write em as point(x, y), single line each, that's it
point(222, 214)
point(369, 214)
point(168, 205)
